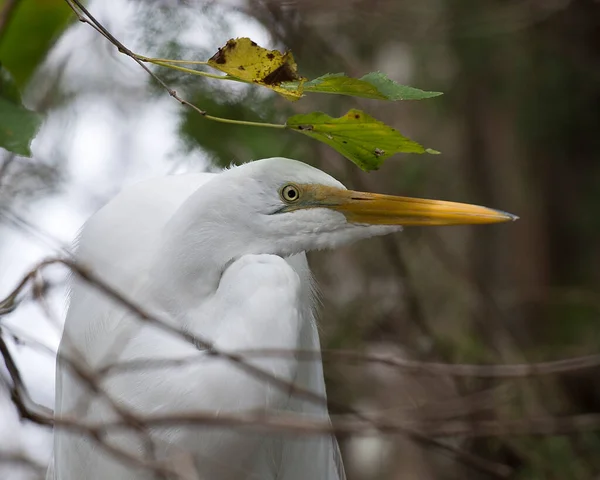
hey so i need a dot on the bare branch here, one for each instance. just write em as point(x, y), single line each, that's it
point(86, 17)
point(23, 461)
point(499, 371)
point(415, 367)
point(88, 276)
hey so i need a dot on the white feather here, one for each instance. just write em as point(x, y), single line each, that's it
point(260, 301)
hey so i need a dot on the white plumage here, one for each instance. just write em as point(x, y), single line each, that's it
point(221, 256)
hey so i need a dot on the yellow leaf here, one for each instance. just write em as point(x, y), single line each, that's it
point(244, 59)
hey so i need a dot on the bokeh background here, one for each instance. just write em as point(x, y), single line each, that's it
point(519, 130)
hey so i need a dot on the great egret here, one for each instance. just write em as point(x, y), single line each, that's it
point(222, 256)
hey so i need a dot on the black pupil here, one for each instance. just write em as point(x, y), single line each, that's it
point(291, 193)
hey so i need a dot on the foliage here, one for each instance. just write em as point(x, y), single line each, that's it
point(359, 137)
point(375, 85)
point(243, 59)
point(18, 125)
point(24, 42)
point(33, 27)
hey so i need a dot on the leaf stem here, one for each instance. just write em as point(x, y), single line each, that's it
point(170, 60)
point(187, 70)
point(243, 122)
point(168, 63)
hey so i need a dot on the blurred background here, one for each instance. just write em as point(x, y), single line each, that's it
point(519, 130)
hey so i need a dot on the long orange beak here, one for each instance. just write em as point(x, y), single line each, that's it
point(376, 209)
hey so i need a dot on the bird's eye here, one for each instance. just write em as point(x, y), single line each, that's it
point(290, 193)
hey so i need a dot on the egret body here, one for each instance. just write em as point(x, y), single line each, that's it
point(221, 256)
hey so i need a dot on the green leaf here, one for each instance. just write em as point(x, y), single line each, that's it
point(8, 88)
point(394, 91)
point(18, 125)
point(358, 136)
point(373, 85)
point(33, 27)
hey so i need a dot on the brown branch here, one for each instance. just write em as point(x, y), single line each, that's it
point(35, 231)
point(500, 371)
point(295, 424)
point(474, 461)
point(8, 159)
point(88, 276)
point(21, 398)
point(10, 302)
point(18, 393)
point(299, 424)
point(533, 426)
point(85, 16)
point(23, 461)
point(88, 377)
point(144, 316)
point(415, 367)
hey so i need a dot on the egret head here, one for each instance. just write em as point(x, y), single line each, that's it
point(283, 207)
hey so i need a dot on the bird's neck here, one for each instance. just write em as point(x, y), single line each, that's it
point(193, 279)
point(196, 249)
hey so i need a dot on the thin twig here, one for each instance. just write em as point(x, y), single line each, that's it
point(85, 274)
point(21, 398)
point(295, 424)
point(498, 371)
point(21, 460)
point(300, 424)
point(344, 426)
point(170, 60)
point(474, 461)
point(7, 161)
point(18, 392)
point(533, 426)
point(89, 378)
point(191, 71)
point(86, 17)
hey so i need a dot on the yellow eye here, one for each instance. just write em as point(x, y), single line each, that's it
point(290, 193)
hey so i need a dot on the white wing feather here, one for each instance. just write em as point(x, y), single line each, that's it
point(262, 292)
